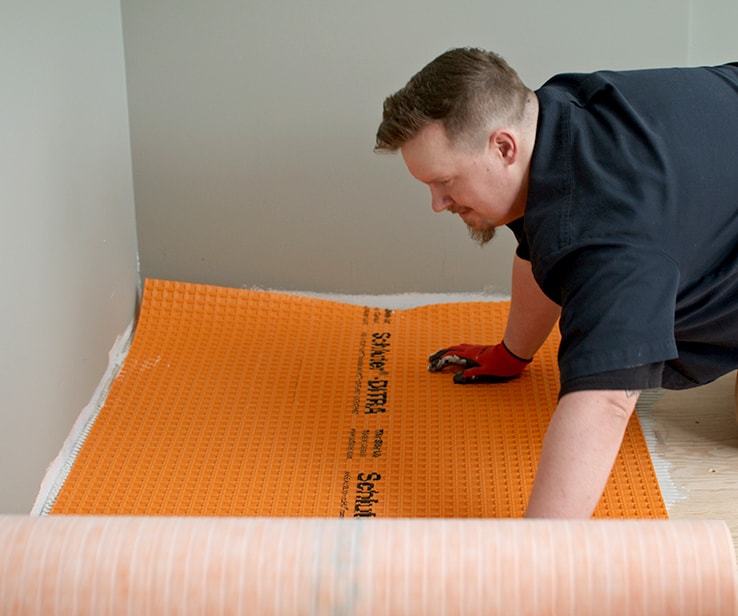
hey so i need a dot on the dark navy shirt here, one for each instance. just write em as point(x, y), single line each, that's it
point(631, 224)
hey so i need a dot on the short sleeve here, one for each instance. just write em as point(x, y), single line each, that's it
point(517, 226)
point(648, 376)
point(618, 305)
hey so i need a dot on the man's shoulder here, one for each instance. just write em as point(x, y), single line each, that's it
point(582, 86)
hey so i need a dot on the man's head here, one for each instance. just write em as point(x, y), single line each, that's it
point(463, 126)
point(469, 91)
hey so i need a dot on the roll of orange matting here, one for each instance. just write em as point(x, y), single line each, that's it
point(235, 402)
point(118, 565)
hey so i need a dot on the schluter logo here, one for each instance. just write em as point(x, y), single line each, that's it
point(366, 495)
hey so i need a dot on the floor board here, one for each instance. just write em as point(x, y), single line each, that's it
point(695, 433)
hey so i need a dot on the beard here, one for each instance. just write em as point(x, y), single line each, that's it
point(483, 235)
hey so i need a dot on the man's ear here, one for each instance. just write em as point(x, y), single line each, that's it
point(504, 143)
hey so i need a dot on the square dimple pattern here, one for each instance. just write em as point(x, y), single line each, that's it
point(235, 402)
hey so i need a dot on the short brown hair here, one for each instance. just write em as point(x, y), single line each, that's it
point(466, 89)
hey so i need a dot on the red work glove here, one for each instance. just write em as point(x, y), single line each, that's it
point(482, 364)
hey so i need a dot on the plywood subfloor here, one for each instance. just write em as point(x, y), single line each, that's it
point(694, 441)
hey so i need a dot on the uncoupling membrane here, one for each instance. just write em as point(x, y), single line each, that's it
point(237, 402)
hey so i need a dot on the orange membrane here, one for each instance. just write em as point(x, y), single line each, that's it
point(235, 402)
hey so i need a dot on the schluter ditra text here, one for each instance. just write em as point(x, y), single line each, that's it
point(376, 388)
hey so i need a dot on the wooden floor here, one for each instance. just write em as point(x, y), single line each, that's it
point(693, 437)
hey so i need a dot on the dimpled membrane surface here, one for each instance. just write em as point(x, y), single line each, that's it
point(237, 402)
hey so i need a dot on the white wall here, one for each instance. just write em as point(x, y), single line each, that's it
point(712, 32)
point(253, 125)
point(68, 268)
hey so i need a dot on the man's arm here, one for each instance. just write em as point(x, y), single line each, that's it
point(532, 314)
point(579, 450)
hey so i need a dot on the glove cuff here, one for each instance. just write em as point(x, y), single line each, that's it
point(511, 354)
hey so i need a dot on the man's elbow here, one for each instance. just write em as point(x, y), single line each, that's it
point(618, 404)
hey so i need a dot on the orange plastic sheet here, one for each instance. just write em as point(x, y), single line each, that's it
point(236, 402)
point(152, 566)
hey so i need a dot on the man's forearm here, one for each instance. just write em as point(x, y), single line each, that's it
point(579, 450)
point(532, 314)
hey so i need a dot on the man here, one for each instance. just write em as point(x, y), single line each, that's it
point(622, 191)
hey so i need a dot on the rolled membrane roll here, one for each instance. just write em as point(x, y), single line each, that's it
point(117, 565)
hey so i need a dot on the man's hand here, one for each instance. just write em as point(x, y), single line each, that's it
point(482, 364)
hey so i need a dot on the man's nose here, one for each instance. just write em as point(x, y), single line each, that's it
point(440, 201)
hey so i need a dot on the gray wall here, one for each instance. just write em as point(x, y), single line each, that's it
point(253, 124)
point(68, 241)
point(712, 32)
